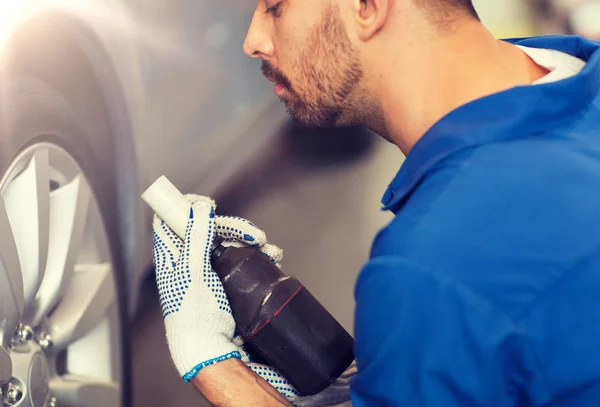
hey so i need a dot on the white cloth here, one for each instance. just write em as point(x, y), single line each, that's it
point(560, 64)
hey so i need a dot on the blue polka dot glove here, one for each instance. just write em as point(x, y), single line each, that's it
point(198, 320)
point(335, 395)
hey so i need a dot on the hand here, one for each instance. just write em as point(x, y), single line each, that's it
point(337, 393)
point(197, 315)
point(198, 319)
point(200, 327)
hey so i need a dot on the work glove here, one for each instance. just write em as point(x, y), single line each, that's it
point(197, 316)
point(199, 324)
point(334, 395)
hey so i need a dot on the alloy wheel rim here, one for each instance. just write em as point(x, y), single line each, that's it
point(59, 326)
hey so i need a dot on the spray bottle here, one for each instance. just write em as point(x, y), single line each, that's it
point(282, 323)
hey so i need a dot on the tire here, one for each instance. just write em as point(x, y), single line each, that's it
point(32, 113)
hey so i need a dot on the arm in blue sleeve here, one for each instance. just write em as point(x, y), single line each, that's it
point(423, 339)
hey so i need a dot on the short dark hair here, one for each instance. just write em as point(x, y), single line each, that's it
point(448, 8)
point(466, 5)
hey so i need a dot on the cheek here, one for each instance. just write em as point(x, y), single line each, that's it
point(290, 38)
point(287, 49)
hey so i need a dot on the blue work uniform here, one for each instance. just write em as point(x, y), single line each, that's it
point(485, 288)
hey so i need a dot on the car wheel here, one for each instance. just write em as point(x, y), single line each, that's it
point(63, 316)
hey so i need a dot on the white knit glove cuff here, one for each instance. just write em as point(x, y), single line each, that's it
point(191, 353)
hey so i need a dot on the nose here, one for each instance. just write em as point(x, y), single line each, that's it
point(258, 43)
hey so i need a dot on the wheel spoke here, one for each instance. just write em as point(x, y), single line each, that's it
point(90, 294)
point(11, 282)
point(27, 205)
point(68, 212)
point(83, 392)
point(5, 366)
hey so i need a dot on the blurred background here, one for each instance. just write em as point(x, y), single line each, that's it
point(317, 195)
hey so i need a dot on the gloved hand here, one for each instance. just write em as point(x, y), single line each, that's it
point(334, 395)
point(197, 315)
point(198, 320)
point(199, 324)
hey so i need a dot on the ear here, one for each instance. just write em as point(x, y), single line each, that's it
point(371, 16)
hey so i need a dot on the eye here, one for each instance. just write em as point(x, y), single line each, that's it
point(274, 10)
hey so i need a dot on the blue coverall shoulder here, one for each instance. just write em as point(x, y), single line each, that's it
point(484, 289)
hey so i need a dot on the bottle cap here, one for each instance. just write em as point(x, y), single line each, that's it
point(169, 204)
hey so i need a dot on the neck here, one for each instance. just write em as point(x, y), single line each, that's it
point(431, 77)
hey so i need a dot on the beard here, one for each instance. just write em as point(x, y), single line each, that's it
point(327, 73)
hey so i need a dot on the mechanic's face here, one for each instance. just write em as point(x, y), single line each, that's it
point(306, 50)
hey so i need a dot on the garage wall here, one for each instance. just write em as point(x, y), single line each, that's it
point(506, 18)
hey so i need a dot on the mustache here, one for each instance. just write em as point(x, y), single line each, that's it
point(274, 74)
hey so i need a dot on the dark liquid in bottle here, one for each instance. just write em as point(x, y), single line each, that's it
point(280, 320)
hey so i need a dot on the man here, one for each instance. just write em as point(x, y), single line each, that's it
point(485, 288)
